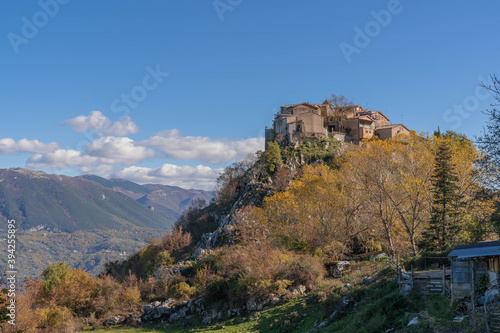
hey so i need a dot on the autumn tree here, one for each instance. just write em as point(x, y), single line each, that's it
point(370, 170)
point(380, 194)
point(307, 216)
point(412, 156)
point(228, 182)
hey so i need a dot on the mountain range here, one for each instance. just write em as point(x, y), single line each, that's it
point(169, 201)
point(85, 220)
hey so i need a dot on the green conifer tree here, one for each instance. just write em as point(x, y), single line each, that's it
point(443, 226)
point(272, 156)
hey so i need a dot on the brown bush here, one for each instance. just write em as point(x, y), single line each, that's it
point(257, 271)
point(304, 269)
point(68, 298)
point(151, 289)
point(281, 180)
point(56, 319)
point(131, 296)
point(176, 242)
point(27, 318)
point(203, 275)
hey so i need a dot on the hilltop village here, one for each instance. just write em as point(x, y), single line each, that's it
point(349, 123)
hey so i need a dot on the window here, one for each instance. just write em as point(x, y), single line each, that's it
point(366, 131)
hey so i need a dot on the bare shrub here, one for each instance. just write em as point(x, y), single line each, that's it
point(257, 270)
point(176, 242)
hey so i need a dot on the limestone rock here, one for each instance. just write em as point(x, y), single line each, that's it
point(115, 320)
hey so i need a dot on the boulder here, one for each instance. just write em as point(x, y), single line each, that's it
point(368, 280)
point(115, 320)
point(405, 289)
point(174, 316)
point(184, 312)
point(298, 290)
point(413, 321)
point(133, 320)
point(323, 325)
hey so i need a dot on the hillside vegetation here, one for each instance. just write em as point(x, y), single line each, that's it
point(260, 257)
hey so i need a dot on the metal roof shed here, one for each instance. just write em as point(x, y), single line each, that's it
point(482, 249)
point(471, 260)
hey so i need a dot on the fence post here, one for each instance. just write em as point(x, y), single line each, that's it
point(451, 283)
point(444, 280)
point(473, 287)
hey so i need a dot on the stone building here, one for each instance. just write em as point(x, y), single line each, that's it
point(345, 123)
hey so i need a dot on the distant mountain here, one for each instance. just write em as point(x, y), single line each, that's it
point(55, 202)
point(133, 190)
point(164, 198)
point(170, 201)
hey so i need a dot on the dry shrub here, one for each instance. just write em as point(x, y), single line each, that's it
point(56, 319)
point(259, 270)
point(281, 180)
point(203, 275)
point(303, 269)
point(69, 287)
point(107, 296)
point(130, 293)
point(131, 296)
point(181, 291)
point(27, 317)
point(152, 289)
point(69, 297)
point(176, 242)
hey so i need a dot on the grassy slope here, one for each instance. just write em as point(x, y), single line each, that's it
point(376, 308)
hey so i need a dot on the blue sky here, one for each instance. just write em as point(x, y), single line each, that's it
point(172, 91)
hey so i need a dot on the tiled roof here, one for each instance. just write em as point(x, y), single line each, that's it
point(365, 118)
point(391, 126)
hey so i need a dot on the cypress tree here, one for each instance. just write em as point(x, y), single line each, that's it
point(443, 225)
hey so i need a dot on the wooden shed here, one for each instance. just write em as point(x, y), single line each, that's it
point(469, 263)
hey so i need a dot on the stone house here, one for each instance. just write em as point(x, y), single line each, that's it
point(390, 131)
point(345, 123)
point(298, 120)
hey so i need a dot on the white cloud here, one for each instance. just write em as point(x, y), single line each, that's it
point(204, 149)
point(102, 125)
point(200, 176)
point(121, 150)
point(10, 146)
point(107, 150)
point(60, 159)
point(103, 170)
